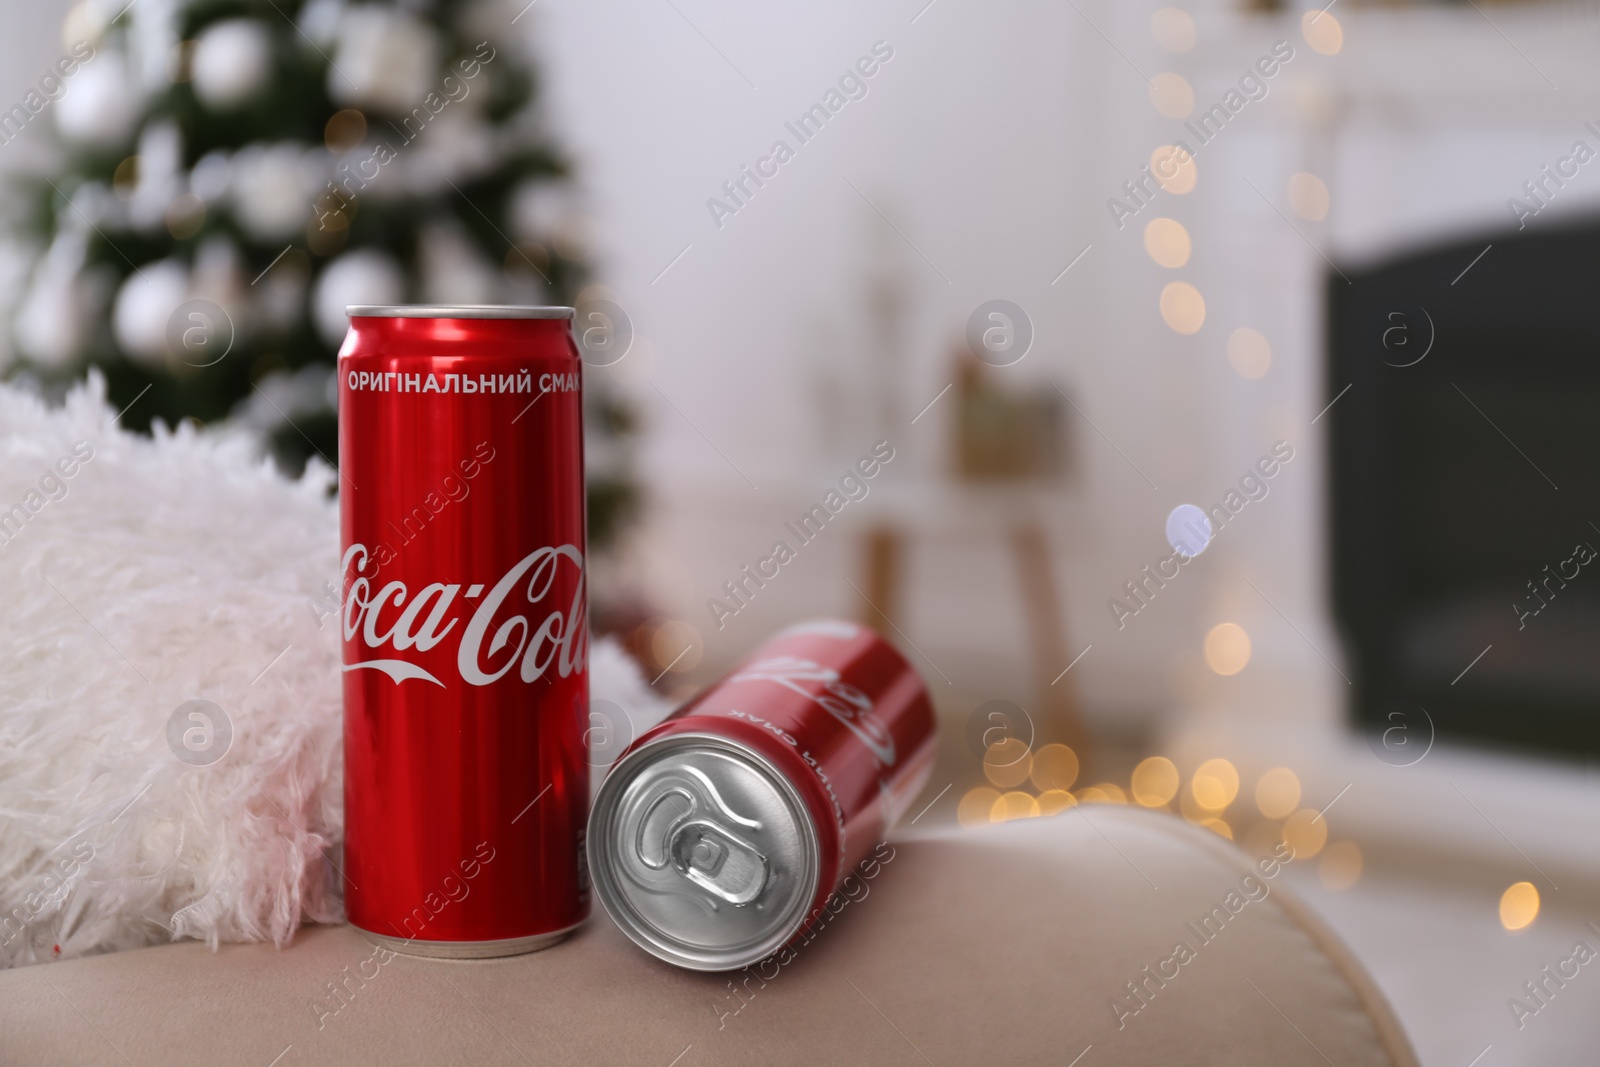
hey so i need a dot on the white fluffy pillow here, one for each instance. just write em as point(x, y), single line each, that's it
point(141, 575)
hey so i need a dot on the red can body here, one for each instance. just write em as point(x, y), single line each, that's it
point(464, 616)
point(829, 707)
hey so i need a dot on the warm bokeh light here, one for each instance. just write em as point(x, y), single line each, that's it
point(1013, 805)
point(1322, 32)
point(1519, 906)
point(1215, 784)
point(185, 214)
point(1305, 833)
point(125, 179)
point(1278, 793)
point(976, 805)
point(1173, 29)
point(1218, 826)
point(345, 130)
point(1308, 195)
point(1008, 763)
point(1167, 242)
point(1174, 169)
point(1155, 782)
point(1227, 648)
point(1182, 307)
point(1340, 866)
point(676, 646)
point(1249, 353)
point(1102, 793)
point(1171, 95)
point(1055, 767)
point(1052, 801)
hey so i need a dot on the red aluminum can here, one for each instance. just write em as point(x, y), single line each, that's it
point(719, 834)
point(464, 613)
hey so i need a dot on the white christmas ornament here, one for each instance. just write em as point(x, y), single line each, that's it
point(386, 60)
point(102, 105)
point(365, 276)
point(453, 272)
point(86, 21)
point(319, 21)
point(152, 34)
point(145, 302)
point(269, 194)
point(212, 176)
point(160, 165)
point(219, 276)
point(232, 62)
point(51, 316)
point(16, 263)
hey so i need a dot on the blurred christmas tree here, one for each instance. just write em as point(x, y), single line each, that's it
point(226, 175)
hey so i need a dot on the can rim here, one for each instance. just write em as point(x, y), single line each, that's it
point(497, 948)
point(603, 876)
point(457, 311)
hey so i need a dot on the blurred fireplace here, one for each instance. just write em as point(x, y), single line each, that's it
point(1464, 488)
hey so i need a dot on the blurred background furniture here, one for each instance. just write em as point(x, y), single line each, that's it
point(1008, 485)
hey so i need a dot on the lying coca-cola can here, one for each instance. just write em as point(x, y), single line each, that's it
point(720, 833)
point(465, 626)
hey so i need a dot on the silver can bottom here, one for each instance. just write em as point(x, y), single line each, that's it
point(469, 950)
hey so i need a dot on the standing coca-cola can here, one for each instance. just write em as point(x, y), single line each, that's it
point(466, 635)
point(720, 834)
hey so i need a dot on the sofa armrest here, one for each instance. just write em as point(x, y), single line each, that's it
point(1028, 942)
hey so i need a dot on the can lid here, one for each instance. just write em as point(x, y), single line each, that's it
point(703, 852)
point(457, 311)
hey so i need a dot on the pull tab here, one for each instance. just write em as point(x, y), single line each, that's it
point(687, 829)
point(718, 862)
point(657, 826)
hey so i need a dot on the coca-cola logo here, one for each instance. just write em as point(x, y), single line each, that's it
point(844, 702)
point(501, 633)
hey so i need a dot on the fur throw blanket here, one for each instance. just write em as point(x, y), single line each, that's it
point(169, 686)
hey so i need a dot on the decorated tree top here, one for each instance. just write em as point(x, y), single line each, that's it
point(222, 177)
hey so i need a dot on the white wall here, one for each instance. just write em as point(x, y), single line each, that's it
point(31, 41)
point(983, 140)
point(993, 140)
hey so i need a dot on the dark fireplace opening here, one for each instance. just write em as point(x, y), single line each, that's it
point(1464, 489)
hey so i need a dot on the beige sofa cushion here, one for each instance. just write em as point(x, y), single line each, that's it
point(1005, 944)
